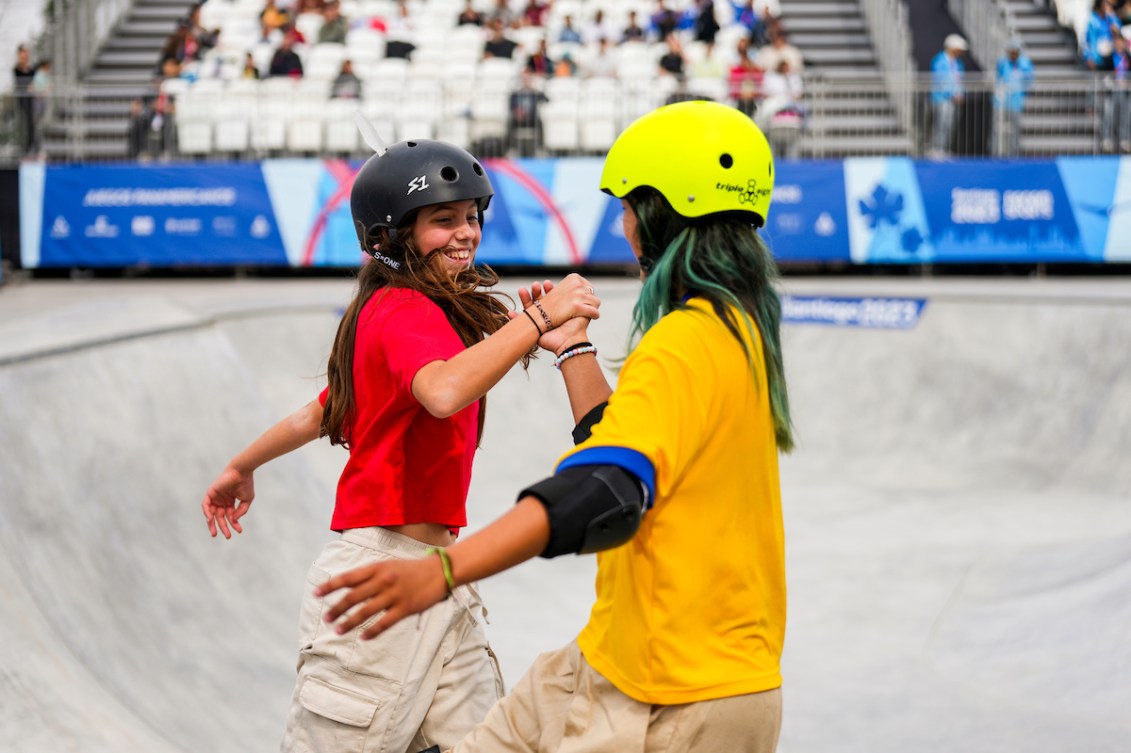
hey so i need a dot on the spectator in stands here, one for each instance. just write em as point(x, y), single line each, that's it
point(709, 65)
point(535, 12)
point(538, 62)
point(1012, 80)
point(309, 6)
point(633, 31)
point(523, 126)
point(745, 80)
point(273, 17)
point(498, 46)
point(178, 43)
point(250, 69)
point(568, 33)
point(673, 62)
point(205, 39)
point(402, 27)
point(286, 61)
point(599, 28)
point(664, 21)
point(706, 25)
point(756, 22)
point(779, 49)
point(137, 134)
point(782, 114)
point(22, 76)
point(502, 13)
point(1098, 54)
point(334, 25)
point(565, 67)
point(346, 85)
point(603, 62)
point(469, 16)
point(948, 90)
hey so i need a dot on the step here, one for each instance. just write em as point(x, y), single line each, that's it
point(97, 129)
point(1034, 23)
point(171, 13)
point(810, 40)
point(1057, 145)
point(153, 42)
point(146, 59)
point(855, 146)
point(95, 150)
point(793, 8)
point(160, 29)
point(804, 24)
point(854, 124)
point(841, 57)
point(1057, 123)
point(123, 77)
point(829, 105)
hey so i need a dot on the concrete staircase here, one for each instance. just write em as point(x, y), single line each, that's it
point(850, 112)
point(91, 121)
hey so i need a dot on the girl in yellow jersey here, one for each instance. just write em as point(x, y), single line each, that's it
point(674, 480)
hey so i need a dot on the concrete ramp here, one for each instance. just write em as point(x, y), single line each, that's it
point(958, 517)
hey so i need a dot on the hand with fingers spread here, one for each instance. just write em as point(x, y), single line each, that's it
point(399, 588)
point(227, 500)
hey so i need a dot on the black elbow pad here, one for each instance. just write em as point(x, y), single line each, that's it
point(591, 508)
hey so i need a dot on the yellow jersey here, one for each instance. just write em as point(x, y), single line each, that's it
point(694, 606)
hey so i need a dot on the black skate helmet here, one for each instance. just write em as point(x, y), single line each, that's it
point(410, 175)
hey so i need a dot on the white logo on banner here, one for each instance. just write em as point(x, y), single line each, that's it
point(142, 225)
point(224, 225)
point(101, 228)
point(60, 228)
point(182, 226)
point(1027, 205)
point(825, 224)
point(260, 227)
point(788, 194)
point(975, 206)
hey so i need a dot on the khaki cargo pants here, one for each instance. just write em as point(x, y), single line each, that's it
point(426, 681)
point(565, 706)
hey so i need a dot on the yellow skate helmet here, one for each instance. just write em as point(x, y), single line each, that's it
point(703, 157)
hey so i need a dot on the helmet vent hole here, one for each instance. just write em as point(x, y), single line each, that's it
point(726, 161)
point(410, 143)
point(478, 170)
point(449, 174)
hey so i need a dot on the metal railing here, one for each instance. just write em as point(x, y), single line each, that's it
point(1082, 114)
point(76, 30)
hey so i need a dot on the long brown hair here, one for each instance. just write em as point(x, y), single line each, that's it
point(473, 312)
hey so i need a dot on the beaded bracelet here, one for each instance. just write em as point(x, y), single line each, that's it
point(569, 353)
point(446, 563)
point(545, 316)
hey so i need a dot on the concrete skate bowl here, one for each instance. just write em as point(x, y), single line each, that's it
point(957, 519)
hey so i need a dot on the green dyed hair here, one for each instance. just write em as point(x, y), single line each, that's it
point(722, 258)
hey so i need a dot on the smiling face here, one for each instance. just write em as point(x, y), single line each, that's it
point(453, 230)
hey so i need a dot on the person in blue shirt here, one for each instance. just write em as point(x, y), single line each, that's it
point(1012, 80)
point(948, 89)
point(1098, 52)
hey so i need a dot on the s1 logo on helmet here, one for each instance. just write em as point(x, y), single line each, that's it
point(417, 184)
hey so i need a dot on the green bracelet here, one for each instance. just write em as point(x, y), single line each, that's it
point(446, 563)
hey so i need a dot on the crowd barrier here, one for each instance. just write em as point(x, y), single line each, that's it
point(295, 213)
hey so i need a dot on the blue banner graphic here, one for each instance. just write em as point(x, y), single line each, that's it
point(883, 210)
point(871, 313)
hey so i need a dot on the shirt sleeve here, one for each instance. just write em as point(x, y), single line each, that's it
point(655, 422)
point(415, 333)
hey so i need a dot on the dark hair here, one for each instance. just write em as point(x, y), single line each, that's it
point(473, 312)
point(722, 258)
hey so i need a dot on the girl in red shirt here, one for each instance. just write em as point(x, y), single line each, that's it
point(415, 354)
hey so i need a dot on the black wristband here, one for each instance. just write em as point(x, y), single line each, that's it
point(574, 347)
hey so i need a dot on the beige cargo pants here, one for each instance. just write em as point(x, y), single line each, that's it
point(426, 681)
point(565, 706)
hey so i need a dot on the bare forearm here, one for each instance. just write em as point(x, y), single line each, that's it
point(585, 384)
point(447, 387)
point(519, 535)
point(292, 432)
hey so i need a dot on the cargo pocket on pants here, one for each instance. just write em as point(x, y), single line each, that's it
point(340, 720)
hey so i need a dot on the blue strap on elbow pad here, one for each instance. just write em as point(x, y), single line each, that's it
point(591, 508)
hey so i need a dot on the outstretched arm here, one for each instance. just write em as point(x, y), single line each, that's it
point(230, 496)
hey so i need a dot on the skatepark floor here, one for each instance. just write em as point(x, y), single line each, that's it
point(957, 512)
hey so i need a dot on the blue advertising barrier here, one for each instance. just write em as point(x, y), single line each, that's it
point(549, 212)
